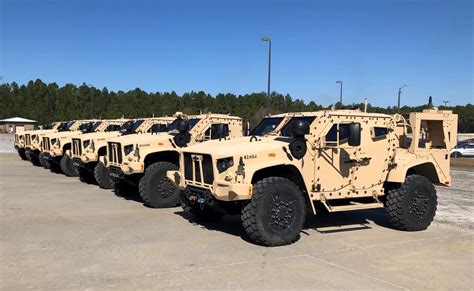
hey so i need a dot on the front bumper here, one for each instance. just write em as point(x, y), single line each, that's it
point(116, 173)
point(54, 153)
point(129, 168)
point(221, 190)
point(86, 157)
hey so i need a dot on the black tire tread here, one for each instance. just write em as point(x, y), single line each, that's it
point(104, 181)
point(395, 197)
point(67, 168)
point(248, 217)
point(147, 199)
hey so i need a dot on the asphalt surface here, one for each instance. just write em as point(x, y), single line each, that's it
point(58, 233)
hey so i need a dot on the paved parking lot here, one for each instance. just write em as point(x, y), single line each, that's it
point(59, 233)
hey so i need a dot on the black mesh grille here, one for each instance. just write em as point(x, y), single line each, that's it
point(115, 152)
point(188, 167)
point(76, 147)
point(190, 164)
point(46, 145)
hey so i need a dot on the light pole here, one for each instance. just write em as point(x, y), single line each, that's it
point(269, 101)
point(399, 93)
point(445, 103)
point(92, 110)
point(340, 92)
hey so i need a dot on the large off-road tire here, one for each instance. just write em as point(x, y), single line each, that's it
point(412, 205)
point(102, 176)
point(33, 158)
point(205, 214)
point(276, 213)
point(85, 175)
point(44, 162)
point(55, 167)
point(123, 188)
point(21, 153)
point(68, 167)
point(156, 189)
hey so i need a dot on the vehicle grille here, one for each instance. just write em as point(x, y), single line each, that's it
point(76, 147)
point(27, 140)
point(46, 145)
point(198, 168)
point(115, 152)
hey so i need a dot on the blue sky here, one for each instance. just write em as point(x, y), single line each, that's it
point(214, 46)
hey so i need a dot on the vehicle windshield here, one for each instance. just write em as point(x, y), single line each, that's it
point(69, 124)
point(288, 128)
point(267, 125)
point(95, 125)
point(174, 124)
point(131, 125)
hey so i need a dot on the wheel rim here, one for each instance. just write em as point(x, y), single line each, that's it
point(281, 214)
point(419, 205)
point(164, 187)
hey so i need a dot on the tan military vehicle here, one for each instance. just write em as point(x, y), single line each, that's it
point(32, 137)
point(56, 146)
point(331, 160)
point(88, 151)
point(143, 160)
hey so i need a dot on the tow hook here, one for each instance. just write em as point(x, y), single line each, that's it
point(201, 203)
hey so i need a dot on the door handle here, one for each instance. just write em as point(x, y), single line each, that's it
point(364, 159)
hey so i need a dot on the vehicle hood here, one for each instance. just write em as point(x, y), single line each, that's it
point(40, 131)
point(238, 146)
point(99, 135)
point(142, 139)
point(64, 134)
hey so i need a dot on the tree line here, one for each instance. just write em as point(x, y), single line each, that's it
point(49, 102)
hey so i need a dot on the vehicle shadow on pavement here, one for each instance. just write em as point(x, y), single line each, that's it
point(327, 223)
point(323, 223)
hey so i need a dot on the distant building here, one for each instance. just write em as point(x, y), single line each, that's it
point(16, 124)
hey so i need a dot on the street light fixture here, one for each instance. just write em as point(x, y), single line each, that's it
point(92, 103)
point(399, 93)
point(340, 92)
point(269, 39)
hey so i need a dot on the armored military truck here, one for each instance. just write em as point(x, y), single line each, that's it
point(32, 137)
point(336, 160)
point(56, 146)
point(88, 151)
point(143, 160)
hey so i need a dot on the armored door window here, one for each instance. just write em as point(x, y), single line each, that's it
point(155, 128)
point(337, 135)
point(113, 127)
point(379, 133)
point(219, 130)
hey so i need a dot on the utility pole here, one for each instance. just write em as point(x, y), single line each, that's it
point(445, 103)
point(399, 93)
point(269, 101)
point(340, 92)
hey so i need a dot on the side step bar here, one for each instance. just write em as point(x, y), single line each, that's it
point(358, 206)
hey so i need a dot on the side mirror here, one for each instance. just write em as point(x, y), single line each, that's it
point(354, 134)
point(218, 131)
point(300, 128)
point(182, 126)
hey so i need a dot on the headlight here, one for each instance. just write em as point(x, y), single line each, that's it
point(128, 149)
point(86, 143)
point(34, 137)
point(224, 164)
point(55, 141)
